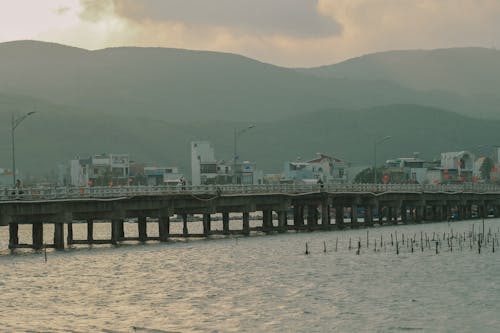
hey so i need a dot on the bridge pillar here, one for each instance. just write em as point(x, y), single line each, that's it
point(246, 223)
point(312, 217)
point(225, 223)
point(497, 211)
point(483, 211)
point(59, 236)
point(164, 227)
point(282, 221)
point(354, 216)
point(325, 214)
point(69, 237)
point(381, 211)
point(13, 235)
point(419, 213)
point(115, 230)
point(404, 214)
point(142, 228)
point(37, 235)
point(185, 230)
point(90, 231)
point(368, 215)
point(390, 215)
point(267, 220)
point(206, 224)
point(339, 216)
point(298, 215)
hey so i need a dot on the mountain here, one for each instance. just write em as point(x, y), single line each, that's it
point(57, 133)
point(471, 72)
point(182, 85)
point(151, 102)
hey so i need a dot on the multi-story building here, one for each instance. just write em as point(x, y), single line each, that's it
point(100, 170)
point(163, 176)
point(326, 168)
point(406, 170)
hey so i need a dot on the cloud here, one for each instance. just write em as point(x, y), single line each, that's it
point(284, 32)
point(297, 18)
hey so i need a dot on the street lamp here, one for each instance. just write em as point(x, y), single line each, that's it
point(14, 123)
point(237, 134)
point(378, 141)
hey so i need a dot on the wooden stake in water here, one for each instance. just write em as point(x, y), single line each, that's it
point(367, 239)
point(336, 243)
point(324, 246)
point(397, 248)
point(45, 253)
point(437, 251)
point(307, 249)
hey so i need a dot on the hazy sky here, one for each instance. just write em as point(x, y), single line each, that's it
point(283, 32)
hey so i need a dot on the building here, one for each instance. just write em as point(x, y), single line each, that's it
point(203, 163)
point(457, 166)
point(206, 169)
point(327, 168)
point(406, 170)
point(163, 176)
point(100, 170)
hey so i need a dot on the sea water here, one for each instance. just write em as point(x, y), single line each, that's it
point(260, 283)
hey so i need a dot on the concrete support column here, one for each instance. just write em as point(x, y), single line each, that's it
point(225, 223)
point(312, 216)
point(282, 221)
point(404, 214)
point(390, 215)
point(206, 224)
point(267, 220)
point(354, 216)
point(339, 216)
point(298, 215)
point(185, 230)
point(115, 230)
point(484, 211)
point(325, 214)
point(142, 226)
point(69, 237)
point(59, 236)
point(368, 216)
point(13, 235)
point(419, 214)
point(468, 212)
point(246, 223)
point(37, 235)
point(90, 231)
point(164, 227)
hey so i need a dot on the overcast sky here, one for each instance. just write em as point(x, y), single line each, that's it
point(284, 32)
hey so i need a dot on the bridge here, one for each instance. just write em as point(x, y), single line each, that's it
point(280, 208)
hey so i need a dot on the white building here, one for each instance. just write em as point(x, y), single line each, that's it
point(203, 163)
point(100, 170)
point(327, 168)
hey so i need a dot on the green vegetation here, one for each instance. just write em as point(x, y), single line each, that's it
point(151, 102)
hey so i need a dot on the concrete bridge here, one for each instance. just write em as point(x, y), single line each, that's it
point(307, 207)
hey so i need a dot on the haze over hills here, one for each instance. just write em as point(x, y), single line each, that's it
point(151, 102)
point(473, 72)
point(181, 85)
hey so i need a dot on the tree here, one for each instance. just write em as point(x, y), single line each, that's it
point(485, 168)
point(366, 176)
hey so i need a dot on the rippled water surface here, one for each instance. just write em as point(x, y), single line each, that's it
point(254, 284)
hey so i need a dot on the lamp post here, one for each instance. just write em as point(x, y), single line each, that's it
point(237, 134)
point(14, 123)
point(377, 142)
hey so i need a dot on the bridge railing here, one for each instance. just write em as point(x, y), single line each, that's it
point(60, 193)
